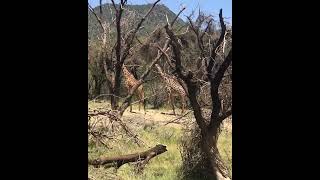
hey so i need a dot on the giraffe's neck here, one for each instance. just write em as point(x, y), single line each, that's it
point(170, 81)
point(126, 72)
point(128, 75)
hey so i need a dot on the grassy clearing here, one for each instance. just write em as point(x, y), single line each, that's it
point(225, 148)
point(162, 167)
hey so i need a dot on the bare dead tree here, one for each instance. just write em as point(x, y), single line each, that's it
point(115, 56)
point(123, 50)
point(200, 34)
point(215, 70)
point(95, 66)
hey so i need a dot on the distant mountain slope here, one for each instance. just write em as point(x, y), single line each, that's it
point(157, 16)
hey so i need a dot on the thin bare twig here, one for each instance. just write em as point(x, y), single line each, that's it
point(136, 102)
point(114, 5)
point(97, 17)
point(217, 45)
point(133, 34)
point(167, 56)
point(110, 115)
point(174, 20)
point(176, 119)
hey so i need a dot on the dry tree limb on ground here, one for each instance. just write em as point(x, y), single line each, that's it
point(176, 119)
point(141, 158)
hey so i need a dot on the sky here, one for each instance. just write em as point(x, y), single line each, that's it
point(207, 6)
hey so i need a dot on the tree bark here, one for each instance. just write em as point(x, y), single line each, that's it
point(209, 141)
point(97, 87)
point(116, 88)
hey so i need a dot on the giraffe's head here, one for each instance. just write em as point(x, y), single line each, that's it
point(124, 69)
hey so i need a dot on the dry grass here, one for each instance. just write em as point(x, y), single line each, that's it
point(150, 128)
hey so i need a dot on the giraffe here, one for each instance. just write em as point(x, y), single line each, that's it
point(131, 81)
point(174, 88)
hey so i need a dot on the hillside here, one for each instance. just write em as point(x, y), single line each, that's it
point(157, 16)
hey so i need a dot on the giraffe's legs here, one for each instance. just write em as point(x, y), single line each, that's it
point(171, 99)
point(139, 104)
point(130, 105)
point(142, 100)
point(183, 101)
point(143, 104)
point(128, 89)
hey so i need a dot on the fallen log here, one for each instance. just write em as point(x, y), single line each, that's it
point(142, 158)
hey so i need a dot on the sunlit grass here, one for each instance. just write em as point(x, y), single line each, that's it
point(162, 167)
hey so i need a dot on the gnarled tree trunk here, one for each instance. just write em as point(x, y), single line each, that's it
point(209, 141)
point(209, 130)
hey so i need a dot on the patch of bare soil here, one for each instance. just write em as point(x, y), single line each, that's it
point(139, 119)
